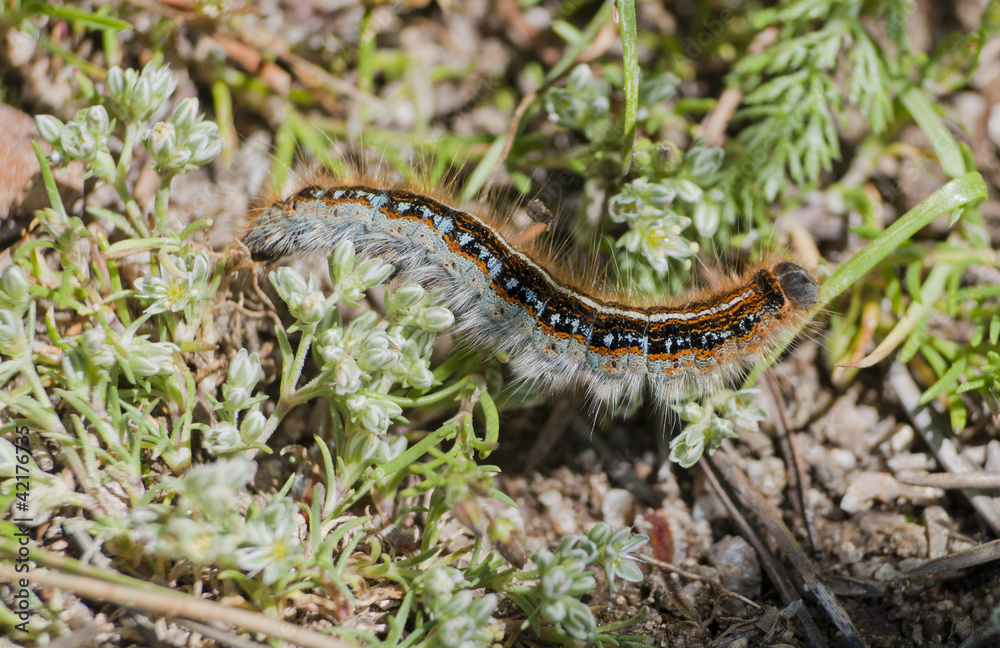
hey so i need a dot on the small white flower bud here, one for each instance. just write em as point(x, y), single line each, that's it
point(289, 283)
point(407, 296)
point(150, 359)
point(98, 122)
point(347, 378)
point(420, 377)
point(161, 81)
point(161, 141)
point(436, 319)
point(374, 420)
point(253, 426)
point(373, 272)
point(374, 359)
point(49, 128)
point(207, 151)
point(77, 142)
point(145, 366)
point(115, 81)
point(312, 308)
point(332, 355)
point(236, 398)
point(244, 369)
point(223, 437)
point(356, 403)
point(141, 100)
point(92, 341)
point(196, 141)
point(179, 160)
point(185, 115)
point(342, 257)
point(94, 349)
point(14, 293)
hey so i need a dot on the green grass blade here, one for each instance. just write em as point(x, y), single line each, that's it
point(49, 181)
point(630, 61)
point(85, 19)
point(479, 176)
point(960, 192)
point(945, 146)
point(947, 382)
point(587, 35)
point(966, 190)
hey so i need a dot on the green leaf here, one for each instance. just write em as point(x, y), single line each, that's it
point(947, 382)
point(971, 385)
point(85, 18)
point(140, 244)
point(479, 175)
point(119, 220)
point(945, 146)
point(913, 279)
point(202, 223)
point(914, 326)
point(567, 32)
point(50, 182)
point(284, 156)
point(630, 60)
point(580, 41)
point(959, 414)
point(968, 189)
point(978, 331)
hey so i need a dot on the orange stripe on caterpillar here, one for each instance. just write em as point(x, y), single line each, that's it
point(506, 299)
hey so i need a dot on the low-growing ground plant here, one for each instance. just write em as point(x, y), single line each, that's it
point(119, 399)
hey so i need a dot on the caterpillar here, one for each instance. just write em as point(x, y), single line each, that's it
point(509, 296)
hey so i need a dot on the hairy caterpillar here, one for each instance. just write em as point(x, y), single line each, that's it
point(507, 296)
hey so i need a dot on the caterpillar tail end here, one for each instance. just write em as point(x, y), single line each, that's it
point(265, 244)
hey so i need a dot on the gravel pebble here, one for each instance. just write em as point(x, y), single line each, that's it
point(937, 521)
point(618, 508)
point(737, 564)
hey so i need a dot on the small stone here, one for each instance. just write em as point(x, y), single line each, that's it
point(915, 461)
point(886, 573)
point(737, 564)
point(864, 489)
point(708, 507)
point(901, 439)
point(869, 487)
point(767, 475)
point(963, 627)
point(848, 423)
point(849, 553)
point(551, 499)
point(560, 513)
point(843, 458)
point(618, 508)
point(936, 521)
point(992, 461)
